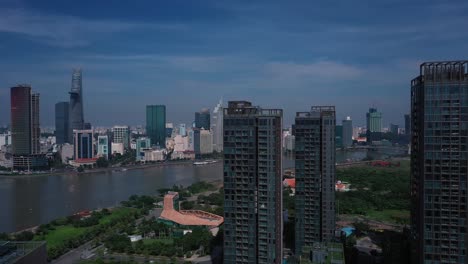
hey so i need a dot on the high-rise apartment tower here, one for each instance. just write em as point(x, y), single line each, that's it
point(253, 224)
point(315, 176)
point(439, 161)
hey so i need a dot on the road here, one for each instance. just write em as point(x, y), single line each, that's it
point(73, 256)
point(140, 258)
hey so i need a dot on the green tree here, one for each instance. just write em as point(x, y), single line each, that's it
point(102, 162)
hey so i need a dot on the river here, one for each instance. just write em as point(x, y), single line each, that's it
point(28, 201)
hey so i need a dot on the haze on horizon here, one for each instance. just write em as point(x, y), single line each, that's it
point(189, 54)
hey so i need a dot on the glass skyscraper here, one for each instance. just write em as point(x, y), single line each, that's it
point(253, 222)
point(156, 124)
point(22, 120)
point(76, 120)
point(202, 119)
point(347, 137)
point(314, 133)
point(62, 122)
point(439, 161)
point(25, 129)
point(374, 120)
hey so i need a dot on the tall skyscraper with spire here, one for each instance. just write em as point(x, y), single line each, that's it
point(76, 102)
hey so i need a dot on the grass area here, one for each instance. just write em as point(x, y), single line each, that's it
point(116, 214)
point(62, 233)
point(379, 193)
point(390, 216)
point(167, 241)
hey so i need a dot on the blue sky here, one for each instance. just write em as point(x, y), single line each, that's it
point(188, 54)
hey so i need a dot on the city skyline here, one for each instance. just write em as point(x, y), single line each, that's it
point(296, 56)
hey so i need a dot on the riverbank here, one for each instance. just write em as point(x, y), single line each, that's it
point(66, 234)
point(99, 170)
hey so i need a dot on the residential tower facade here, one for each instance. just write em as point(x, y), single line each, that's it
point(439, 161)
point(314, 133)
point(253, 224)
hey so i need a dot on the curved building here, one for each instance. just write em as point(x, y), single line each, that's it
point(76, 102)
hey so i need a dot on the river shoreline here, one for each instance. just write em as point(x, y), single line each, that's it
point(217, 183)
point(98, 170)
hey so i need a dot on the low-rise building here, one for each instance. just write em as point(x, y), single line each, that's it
point(6, 159)
point(342, 186)
point(323, 253)
point(104, 146)
point(91, 162)
point(188, 154)
point(5, 139)
point(117, 148)
point(181, 143)
point(66, 152)
point(142, 144)
point(154, 154)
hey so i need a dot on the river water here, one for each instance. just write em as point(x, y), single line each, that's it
point(28, 201)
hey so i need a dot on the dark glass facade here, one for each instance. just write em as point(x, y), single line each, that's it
point(314, 132)
point(35, 125)
point(252, 184)
point(202, 119)
point(439, 161)
point(25, 129)
point(61, 122)
point(76, 103)
point(156, 124)
point(21, 128)
point(83, 144)
point(347, 137)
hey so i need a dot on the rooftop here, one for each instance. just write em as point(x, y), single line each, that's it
point(188, 217)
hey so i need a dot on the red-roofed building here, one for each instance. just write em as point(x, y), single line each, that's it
point(187, 218)
point(291, 183)
point(342, 186)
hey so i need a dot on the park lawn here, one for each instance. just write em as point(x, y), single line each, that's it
point(167, 241)
point(390, 216)
point(62, 234)
point(116, 214)
point(68, 232)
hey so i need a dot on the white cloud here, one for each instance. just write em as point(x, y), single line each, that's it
point(321, 69)
point(66, 31)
